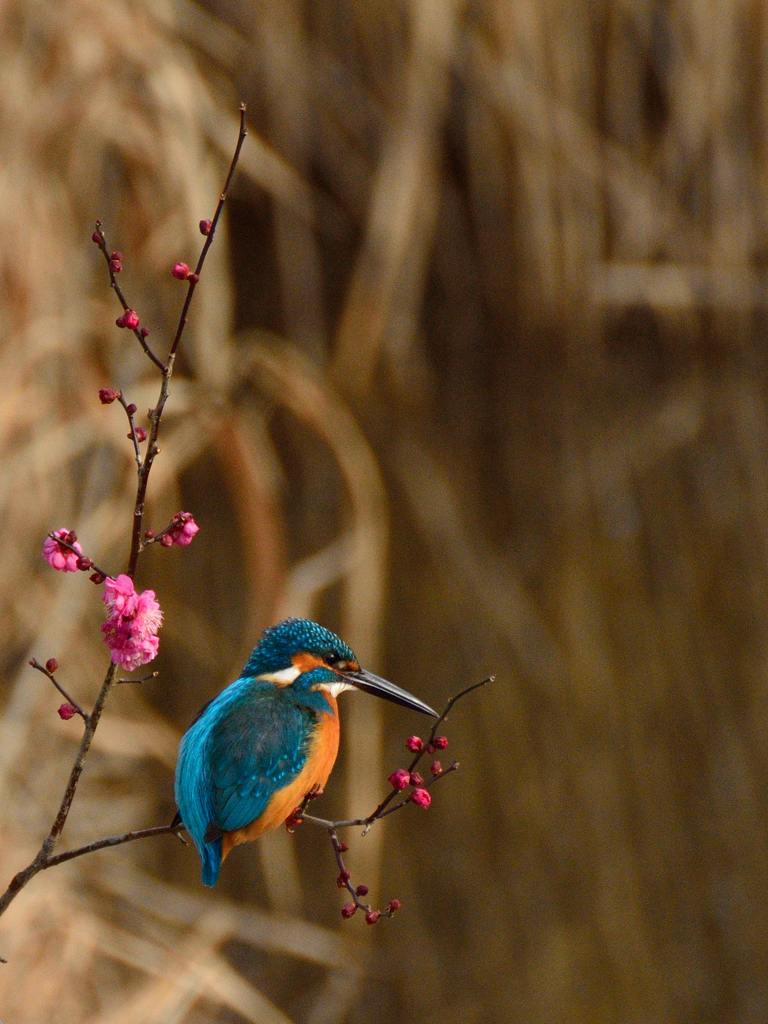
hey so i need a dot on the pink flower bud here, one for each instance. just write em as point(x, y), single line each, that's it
point(348, 910)
point(436, 768)
point(421, 798)
point(362, 890)
point(96, 237)
point(67, 711)
point(399, 779)
point(394, 906)
point(144, 332)
point(97, 577)
point(108, 395)
point(115, 266)
point(149, 533)
point(166, 540)
point(342, 880)
point(130, 409)
point(205, 227)
point(141, 434)
point(430, 748)
point(416, 779)
point(194, 278)
point(372, 917)
point(181, 271)
point(51, 665)
point(343, 847)
point(441, 742)
point(117, 256)
point(130, 320)
point(414, 744)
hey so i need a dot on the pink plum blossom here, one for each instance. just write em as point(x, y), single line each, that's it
point(59, 557)
point(182, 529)
point(133, 620)
point(399, 779)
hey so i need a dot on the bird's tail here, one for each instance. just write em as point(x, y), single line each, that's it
point(211, 858)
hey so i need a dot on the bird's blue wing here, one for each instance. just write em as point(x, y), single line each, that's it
point(257, 748)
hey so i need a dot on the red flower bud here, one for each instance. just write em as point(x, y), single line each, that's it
point(343, 847)
point(120, 322)
point(97, 577)
point(130, 409)
point(194, 278)
point(84, 563)
point(430, 748)
point(399, 779)
point(115, 266)
point(394, 906)
point(130, 320)
point(362, 890)
point(71, 537)
point(117, 256)
point(96, 237)
point(342, 880)
point(149, 534)
point(144, 332)
point(108, 395)
point(205, 227)
point(348, 910)
point(372, 917)
point(51, 665)
point(414, 744)
point(141, 434)
point(181, 271)
point(441, 742)
point(421, 798)
point(416, 779)
point(67, 711)
point(436, 768)
point(166, 540)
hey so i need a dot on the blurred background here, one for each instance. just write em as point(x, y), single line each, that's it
point(476, 376)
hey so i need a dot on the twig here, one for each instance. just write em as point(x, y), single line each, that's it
point(141, 679)
point(71, 547)
point(130, 412)
point(41, 668)
point(123, 302)
point(344, 879)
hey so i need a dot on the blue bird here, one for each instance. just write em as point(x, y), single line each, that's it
point(254, 752)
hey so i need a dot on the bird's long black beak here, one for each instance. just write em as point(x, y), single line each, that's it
point(382, 688)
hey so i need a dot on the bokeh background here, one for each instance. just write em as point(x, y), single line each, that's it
point(477, 377)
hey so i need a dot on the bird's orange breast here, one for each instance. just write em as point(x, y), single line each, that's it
point(324, 746)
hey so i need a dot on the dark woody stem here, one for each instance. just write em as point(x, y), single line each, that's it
point(45, 858)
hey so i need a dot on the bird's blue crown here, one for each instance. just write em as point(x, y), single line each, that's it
point(281, 642)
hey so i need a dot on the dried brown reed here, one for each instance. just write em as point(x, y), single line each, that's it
point(489, 356)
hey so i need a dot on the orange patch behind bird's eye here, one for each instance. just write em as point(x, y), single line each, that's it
point(305, 662)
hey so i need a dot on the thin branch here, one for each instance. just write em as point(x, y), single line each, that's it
point(130, 412)
point(141, 679)
point(41, 668)
point(126, 837)
point(209, 239)
point(72, 548)
point(140, 336)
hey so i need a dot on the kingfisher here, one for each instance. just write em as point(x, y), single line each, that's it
point(269, 739)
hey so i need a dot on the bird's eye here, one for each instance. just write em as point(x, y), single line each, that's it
point(332, 658)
